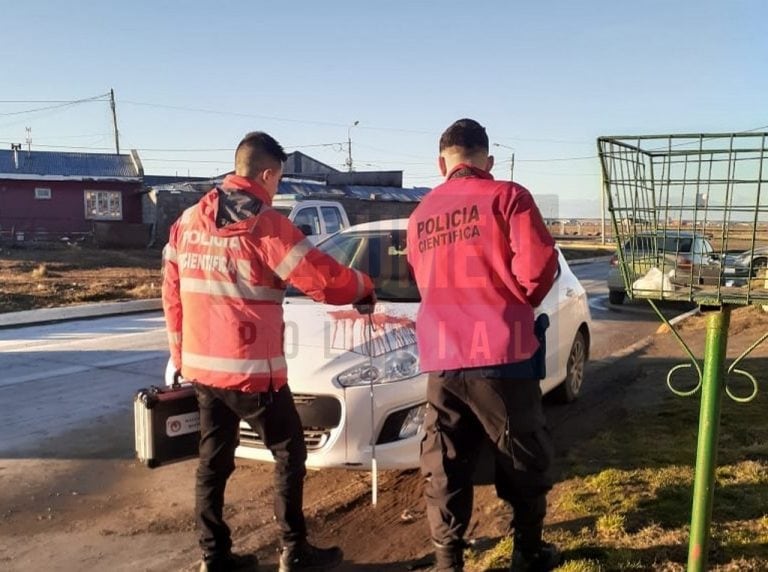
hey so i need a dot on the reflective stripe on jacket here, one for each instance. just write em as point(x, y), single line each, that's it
point(224, 280)
point(483, 259)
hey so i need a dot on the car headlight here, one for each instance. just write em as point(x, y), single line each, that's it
point(398, 365)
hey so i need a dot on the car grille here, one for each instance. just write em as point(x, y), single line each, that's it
point(303, 399)
point(315, 437)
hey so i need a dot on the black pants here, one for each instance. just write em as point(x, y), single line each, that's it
point(465, 408)
point(274, 417)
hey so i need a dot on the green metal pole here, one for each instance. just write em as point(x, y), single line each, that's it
point(709, 424)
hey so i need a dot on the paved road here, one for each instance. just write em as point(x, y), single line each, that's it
point(58, 377)
point(62, 377)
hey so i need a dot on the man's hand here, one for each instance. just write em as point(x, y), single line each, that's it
point(366, 305)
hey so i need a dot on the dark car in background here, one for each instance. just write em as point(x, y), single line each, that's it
point(747, 264)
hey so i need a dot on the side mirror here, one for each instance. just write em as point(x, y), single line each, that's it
point(306, 229)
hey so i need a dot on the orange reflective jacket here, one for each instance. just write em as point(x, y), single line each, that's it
point(225, 270)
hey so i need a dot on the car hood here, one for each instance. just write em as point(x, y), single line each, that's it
point(322, 340)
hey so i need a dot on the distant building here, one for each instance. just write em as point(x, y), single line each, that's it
point(365, 195)
point(47, 195)
point(301, 166)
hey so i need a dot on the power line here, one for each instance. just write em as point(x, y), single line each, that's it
point(545, 140)
point(81, 136)
point(229, 113)
point(390, 152)
point(37, 100)
point(226, 149)
point(185, 160)
point(65, 146)
point(541, 174)
point(270, 117)
point(57, 106)
point(557, 159)
point(163, 150)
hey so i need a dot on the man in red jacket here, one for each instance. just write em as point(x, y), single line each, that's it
point(483, 260)
point(225, 271)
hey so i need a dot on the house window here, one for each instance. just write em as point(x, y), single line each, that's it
point(42, 194)
point(103, 205)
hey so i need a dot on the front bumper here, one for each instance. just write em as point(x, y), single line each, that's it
point(343, 440)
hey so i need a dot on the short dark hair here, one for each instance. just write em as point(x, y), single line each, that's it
point(467, 134)
point(258, 151)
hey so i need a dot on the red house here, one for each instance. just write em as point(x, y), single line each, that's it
point(47, 194)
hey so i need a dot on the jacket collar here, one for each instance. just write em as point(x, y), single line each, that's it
point(463, 170)
point(248, 185)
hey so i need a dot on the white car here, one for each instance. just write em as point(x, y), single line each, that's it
point(345, 382)
point(317, 219)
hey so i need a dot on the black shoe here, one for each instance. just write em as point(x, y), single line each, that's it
point(546, 558)
point(304, 556)
point(230, 563)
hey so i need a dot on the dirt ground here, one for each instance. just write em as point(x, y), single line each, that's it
point(36, 276)
point(80, 502)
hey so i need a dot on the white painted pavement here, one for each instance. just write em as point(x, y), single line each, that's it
point(58, 377)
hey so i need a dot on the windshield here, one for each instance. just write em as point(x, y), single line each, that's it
point(285, 211)
point(669, 244)
point(381, 254)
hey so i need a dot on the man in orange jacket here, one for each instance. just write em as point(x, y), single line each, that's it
point(226, 266)
point(482, 259)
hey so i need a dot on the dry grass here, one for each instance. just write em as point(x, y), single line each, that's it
point(36, 277)
point(41, 271)
point(146, 290)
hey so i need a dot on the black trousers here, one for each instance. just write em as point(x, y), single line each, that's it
point(466, 407)
point(274, 417)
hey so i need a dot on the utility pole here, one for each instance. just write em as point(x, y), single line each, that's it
point(512, 160)
point(349, 146)
point(114, 120)
point(29, 140)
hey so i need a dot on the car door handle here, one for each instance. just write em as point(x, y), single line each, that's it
point(570, 292)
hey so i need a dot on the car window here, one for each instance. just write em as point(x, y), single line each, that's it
point(332, 219)
point(381, 255)
point(674, 244)
point(307, 217)
point(639, 244)
point(667, 244)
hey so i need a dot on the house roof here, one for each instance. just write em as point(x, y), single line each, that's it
point(309, 190)
point(299, 163)
point(158, 180)
point(54, 165)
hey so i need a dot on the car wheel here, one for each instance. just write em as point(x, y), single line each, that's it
point(616, 296)
point(577, 360)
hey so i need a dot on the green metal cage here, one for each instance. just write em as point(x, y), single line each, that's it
point(690, 215)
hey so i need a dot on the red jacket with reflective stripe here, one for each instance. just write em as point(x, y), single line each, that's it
point(225, 270)
point(483, 259)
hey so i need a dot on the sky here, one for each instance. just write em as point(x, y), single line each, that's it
point(545, 78)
